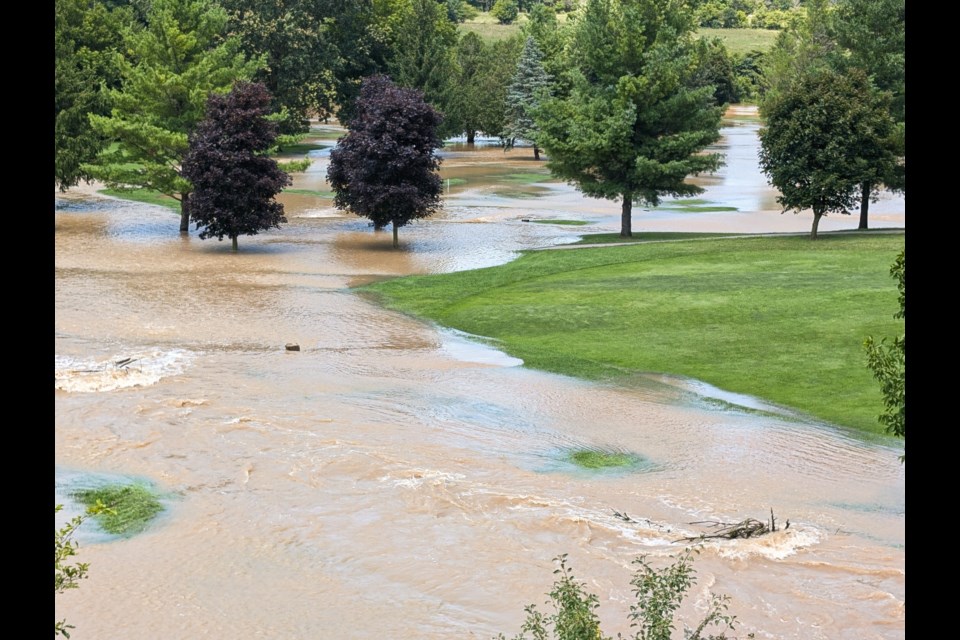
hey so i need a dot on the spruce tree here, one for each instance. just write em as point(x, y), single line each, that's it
point(169, 68)
point(529, 86)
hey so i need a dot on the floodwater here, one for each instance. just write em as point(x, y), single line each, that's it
point(396, 480)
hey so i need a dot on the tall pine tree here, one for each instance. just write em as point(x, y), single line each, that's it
point(170, 67)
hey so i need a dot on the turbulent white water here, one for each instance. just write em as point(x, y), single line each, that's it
point(396, 480)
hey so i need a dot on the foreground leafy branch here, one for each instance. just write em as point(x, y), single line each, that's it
point(888, 363)
point(65, 575)
point(659, 594)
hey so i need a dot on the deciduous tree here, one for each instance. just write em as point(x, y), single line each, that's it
point(169, 68)
point(385, 168)
point(888, 362)
point(235, 182)
point(819, 140)
point(636, 123)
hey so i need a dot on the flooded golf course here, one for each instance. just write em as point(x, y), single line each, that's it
point(394, 479)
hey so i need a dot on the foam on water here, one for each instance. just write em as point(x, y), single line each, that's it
point(121, 371)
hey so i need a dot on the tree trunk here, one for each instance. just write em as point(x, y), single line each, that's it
point(816, 223)
point(234, 238)
point(396, 242)
point(625, 210)
point(536, 152)
point(470, 136)
point(865, 188)
point(184, 213)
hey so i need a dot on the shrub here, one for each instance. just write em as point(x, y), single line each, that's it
point(659, 593)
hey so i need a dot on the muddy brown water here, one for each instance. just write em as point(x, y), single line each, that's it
point(397, 480)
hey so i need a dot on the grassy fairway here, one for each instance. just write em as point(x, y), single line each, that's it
point(780, 318)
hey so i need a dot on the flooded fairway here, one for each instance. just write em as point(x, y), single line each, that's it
point(397, 480)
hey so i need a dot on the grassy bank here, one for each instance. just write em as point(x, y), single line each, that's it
point(780, 318)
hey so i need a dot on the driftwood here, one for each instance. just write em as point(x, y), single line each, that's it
point(748, 528)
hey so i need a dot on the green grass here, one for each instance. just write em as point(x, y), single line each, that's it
point(310, 192)
point(593, 459)
point(144, 195)
point(779, 318)
point(132, 507)
point(648, 236)
point(299, 148)
point(527, 178)
point(454, 182)
point(693, 205)
point(487, 27)
point(572, 223)
point(740, 41)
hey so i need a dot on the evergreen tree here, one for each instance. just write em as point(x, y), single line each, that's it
point(636, 121)
point(424, 58)
point(385, 168)
point(169, 68)
point(86, 39)
point(529, 86)
point(235, 182)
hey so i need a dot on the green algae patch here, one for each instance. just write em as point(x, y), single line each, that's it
point(131, 507)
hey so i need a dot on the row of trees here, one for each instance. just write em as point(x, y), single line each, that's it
point(132, 77)
point(834, 108)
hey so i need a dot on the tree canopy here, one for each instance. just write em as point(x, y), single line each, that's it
point(819, 139)
point(234, 181)
point(385, 168)
point(636, 122)
point(169, 67)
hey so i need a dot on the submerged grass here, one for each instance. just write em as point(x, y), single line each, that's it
point(780, 318)
point(144, 195)
point(132, 507)
point(593, 459)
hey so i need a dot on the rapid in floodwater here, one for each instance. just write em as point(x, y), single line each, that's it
point(397, 480)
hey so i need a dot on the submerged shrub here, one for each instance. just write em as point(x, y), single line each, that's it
point(131, 507)
point(659, 593)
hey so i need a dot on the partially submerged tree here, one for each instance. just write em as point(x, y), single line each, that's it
point(636, 122)
point(235, 182)
point(530, 85)
point(170, 67)
point(385, 168)
point(822, 136)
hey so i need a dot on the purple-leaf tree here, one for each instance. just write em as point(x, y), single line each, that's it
point(235, 182)
point(385, 169)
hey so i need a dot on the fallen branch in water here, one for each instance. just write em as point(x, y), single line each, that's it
point(749, 528)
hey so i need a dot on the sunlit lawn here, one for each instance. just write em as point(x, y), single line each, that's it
point(780, 318)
